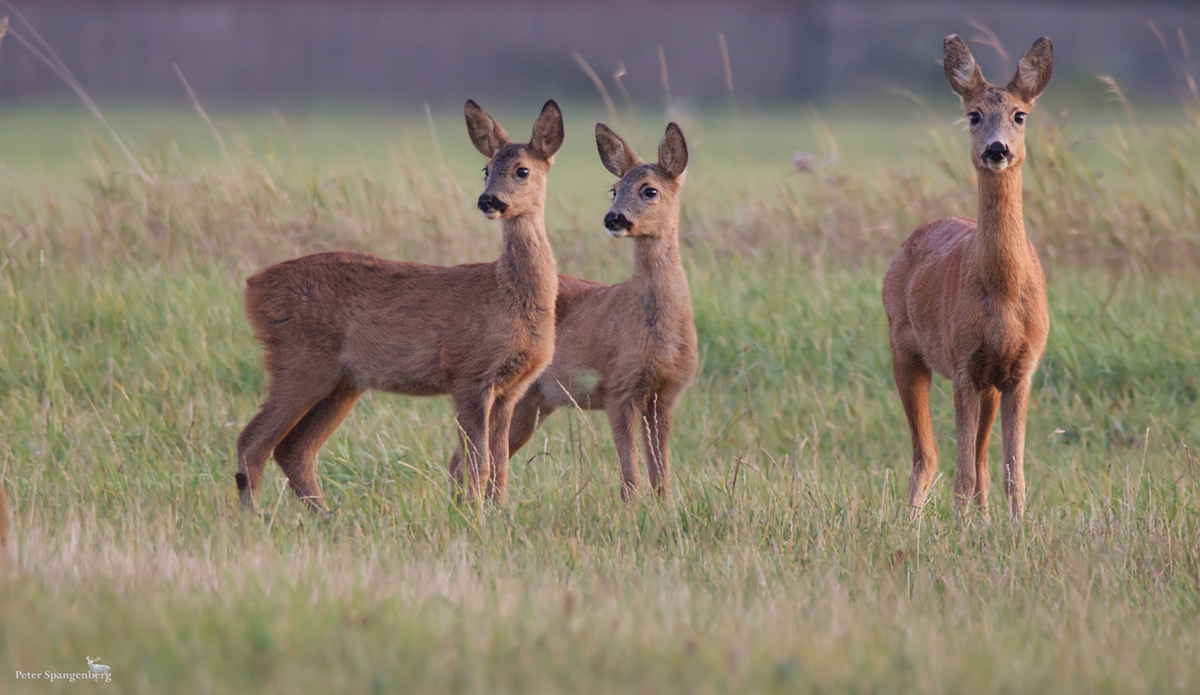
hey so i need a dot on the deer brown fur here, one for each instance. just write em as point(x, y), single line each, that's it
point(628, 349)
point(337, 324)
point(967, 299)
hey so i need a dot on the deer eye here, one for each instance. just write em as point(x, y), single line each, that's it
point(613, 192)
point(485, 173)
point(650, 193)
point(1019, 117)
point(522, 173)
point(974, 117)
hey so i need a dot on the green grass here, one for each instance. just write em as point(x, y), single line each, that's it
point(785, 561)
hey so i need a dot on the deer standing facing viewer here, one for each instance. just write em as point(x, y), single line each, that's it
point(337, 324)
point(628, 349)
point(967, 299)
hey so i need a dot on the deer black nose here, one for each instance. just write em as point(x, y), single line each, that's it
point(614, 221)
point(490, 203)
point(997, 151)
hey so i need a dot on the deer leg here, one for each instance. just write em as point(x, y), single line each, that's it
point(621, 418)
point(989, 403)
point(913, 379)
point(284, 406)
point(1014, 406)
point(297, 453)
point(498, 434)
point(656, 437)
point(967, 405)
point(527, 416)
point(472, 412)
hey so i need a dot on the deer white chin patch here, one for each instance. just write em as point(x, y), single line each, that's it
point(617, 233)
point(998, 166)
point(492, 215)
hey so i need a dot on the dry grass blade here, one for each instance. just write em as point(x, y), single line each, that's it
point(621, 72)
point(608, 102)
point(51, 59)
point(662, 72)
point(200, 110)
point(987, 37)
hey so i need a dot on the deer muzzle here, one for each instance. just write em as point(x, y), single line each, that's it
point(617, 224)
point(997, 155)
point(491, 206)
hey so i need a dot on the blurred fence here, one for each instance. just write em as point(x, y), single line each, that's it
point(418, 50)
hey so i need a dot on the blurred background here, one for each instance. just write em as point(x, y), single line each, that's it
point(811, 122)
point(404, 51)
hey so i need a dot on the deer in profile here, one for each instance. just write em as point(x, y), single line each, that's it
point(337, 324)
point(628, 349)
point(967, 299)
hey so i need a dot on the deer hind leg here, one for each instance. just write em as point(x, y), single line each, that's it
point(288, 400)
point(913, 379)
point(989, 403)
point(967, 406)
point(622, 417)
point(656, 437)
point(472, 408)
point(297, 453)
point(529, 414)
point(498, 433)
point(1014, 406)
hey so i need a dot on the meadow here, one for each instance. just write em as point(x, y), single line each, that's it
point(785, 560)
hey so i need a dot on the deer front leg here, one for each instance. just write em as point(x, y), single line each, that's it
point(498, 433)
point(656, 437)
point(967, 403)
point(1014, 406)
point(989, 403)
point(622, 417)
point(472, 412)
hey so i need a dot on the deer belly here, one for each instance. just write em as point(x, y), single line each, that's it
point(568, 388)
point(411, 369)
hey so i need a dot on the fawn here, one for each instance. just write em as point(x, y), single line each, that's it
point(967, 299)
point(336, 324)
point(628, 349)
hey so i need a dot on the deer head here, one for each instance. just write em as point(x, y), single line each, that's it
point(515, 175)
point(645, 200)
point(997, 114)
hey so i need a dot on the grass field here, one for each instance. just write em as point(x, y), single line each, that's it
point(785, 561)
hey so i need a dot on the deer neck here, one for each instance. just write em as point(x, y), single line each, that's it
point(526, 270)
point(1000, 246)
point(658, 275)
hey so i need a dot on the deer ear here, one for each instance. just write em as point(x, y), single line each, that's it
point(962, 73)
point(1033, 72)
point(673, 152)
point(616, 154)
point(548, 131)
point(486, 134)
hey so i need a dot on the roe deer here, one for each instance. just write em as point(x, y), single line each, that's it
point(628, 349)
point(337, 324)
point(967, 299)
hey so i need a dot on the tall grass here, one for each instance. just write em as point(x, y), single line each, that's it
point(784, 562)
